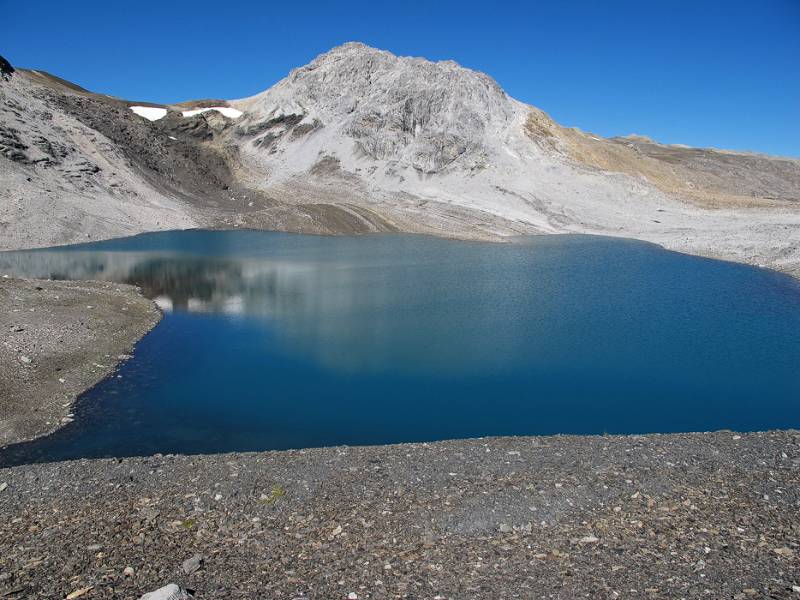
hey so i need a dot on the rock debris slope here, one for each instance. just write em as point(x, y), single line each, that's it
point(61, 180)
point(361, 140)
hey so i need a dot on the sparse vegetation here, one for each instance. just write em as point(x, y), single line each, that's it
point(276, 493)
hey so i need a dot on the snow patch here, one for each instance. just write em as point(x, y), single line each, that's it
point(226, 111)
point(151, 113)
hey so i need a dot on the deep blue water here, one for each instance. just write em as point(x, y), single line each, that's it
point(275, 341)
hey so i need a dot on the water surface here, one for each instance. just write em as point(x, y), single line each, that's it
point(275, 341)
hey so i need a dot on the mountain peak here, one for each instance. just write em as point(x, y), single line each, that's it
point(359, 51)
point(422, 113)
point(353, 46)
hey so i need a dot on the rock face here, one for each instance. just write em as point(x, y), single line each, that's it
point(361, 140)
point(422, 114)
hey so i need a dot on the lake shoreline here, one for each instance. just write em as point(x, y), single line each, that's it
point(751, 258)
point(53, 408)
point(666, 516)
point(60, 339)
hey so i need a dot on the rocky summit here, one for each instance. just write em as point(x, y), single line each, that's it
point(408, 112)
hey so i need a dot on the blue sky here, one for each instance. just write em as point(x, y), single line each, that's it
point(706, 73)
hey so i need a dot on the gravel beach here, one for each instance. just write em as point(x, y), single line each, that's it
point(657, 516)
point(57, 339)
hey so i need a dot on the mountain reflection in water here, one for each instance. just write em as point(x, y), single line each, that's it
point(274, 341)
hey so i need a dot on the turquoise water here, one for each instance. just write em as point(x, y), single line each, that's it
point(274, 341)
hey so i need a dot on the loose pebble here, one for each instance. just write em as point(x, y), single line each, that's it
point(190, 565)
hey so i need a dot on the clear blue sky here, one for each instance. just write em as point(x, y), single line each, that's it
point(700, 72)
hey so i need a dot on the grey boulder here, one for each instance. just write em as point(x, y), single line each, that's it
point(168, 592)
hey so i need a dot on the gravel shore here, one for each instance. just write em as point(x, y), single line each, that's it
point(658, 516)
point(59, 338)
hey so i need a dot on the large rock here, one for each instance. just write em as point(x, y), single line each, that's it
point(168, 592)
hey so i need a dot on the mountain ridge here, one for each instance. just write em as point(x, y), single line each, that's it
point(361, 140)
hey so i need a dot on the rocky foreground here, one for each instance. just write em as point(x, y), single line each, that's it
point(662, 516)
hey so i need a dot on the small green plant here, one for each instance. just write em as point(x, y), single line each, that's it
point(276, 493)
point(187, 523)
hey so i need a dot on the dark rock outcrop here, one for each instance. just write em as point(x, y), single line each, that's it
point(6, 70)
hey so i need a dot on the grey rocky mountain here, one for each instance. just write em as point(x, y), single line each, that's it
point(408, 111)
point(362, 140)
